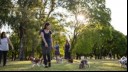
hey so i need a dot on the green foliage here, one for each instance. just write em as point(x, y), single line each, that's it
point(99, 39)
point(5, 6)
point(119, 43)
point(95, 36)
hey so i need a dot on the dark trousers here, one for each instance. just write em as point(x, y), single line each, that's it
point(47, 59)
point(47, 54)
point(4, 54)
point(67, 55)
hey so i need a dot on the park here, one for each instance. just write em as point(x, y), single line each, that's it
point(95, 65)
point(45, 32)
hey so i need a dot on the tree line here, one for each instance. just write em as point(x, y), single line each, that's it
point(95, 38)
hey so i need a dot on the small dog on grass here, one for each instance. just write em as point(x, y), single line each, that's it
point(70, 60)
point(123, 62)
point(83, 63)
point(36, 61)
point(59, 59)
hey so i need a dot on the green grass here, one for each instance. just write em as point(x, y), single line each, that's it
point(95, 65)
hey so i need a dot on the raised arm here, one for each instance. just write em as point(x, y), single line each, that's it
point(10, 43)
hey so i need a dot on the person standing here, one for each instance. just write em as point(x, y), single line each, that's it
point(110, 54)
point(4, 47)
point(57, 51)
point(46, 44)
point(67, 50)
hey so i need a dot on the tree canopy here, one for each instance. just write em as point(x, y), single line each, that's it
point(93, 35)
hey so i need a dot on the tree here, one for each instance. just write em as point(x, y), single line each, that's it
point(26, 18)
point(119, 44)
point(5, 6)
point(94, 11)
point(94, 35)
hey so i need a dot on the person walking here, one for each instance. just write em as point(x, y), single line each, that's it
point(4, 47)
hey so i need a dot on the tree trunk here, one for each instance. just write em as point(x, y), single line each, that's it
point(95, 56)
point(98, 56)
point(114, 56)
point(118, 57)
point(76, 56)
point(21, 51)
point(13, 56)
point(32, 53)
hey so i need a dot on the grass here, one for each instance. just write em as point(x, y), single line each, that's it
point(95, 65)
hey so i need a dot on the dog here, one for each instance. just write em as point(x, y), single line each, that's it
point(36, 61)
point(70, 60)
point(83, 64)
point(59, 59)
point(123, 61)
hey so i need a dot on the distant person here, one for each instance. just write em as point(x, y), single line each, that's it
point(46, 44)
point(57, 51)
point(110, 54)
point(67, 50)
point(0, 37)
point(4, 47)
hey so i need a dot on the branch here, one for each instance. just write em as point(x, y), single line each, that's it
point(45, 3)
point(52, 9)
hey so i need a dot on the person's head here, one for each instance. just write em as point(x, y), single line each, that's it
point(47, 26)
point(3, 35)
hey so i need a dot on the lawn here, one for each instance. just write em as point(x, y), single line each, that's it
point(95, 65)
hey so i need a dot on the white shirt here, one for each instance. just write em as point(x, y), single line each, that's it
point(4, 44)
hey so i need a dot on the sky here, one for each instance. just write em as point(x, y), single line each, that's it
point(119, 14)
